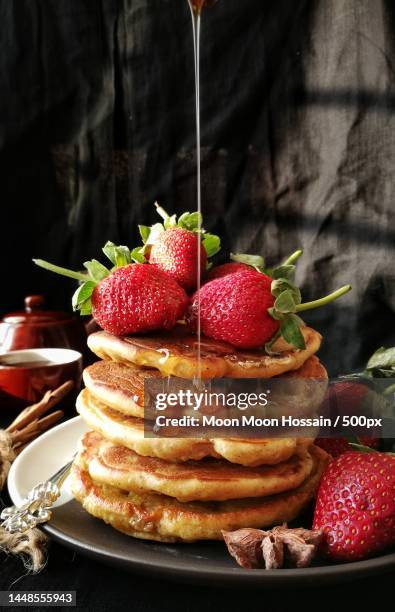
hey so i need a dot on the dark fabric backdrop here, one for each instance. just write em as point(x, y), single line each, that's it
point(298, 142)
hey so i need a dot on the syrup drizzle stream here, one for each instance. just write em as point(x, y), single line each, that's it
point(195, 7)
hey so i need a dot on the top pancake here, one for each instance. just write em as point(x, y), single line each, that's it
point(174, 353)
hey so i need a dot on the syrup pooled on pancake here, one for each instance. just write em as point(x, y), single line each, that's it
point(175, 354)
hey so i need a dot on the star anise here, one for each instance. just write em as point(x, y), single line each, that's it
point(255, 548)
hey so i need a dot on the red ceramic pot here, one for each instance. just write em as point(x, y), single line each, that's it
point(27, 374)
point(36, 327)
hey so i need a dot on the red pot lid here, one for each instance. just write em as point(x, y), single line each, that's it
point(34, 314)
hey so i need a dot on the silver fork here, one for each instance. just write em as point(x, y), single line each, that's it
point(36, 507)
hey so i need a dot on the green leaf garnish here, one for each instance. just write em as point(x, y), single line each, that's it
point(383, 359)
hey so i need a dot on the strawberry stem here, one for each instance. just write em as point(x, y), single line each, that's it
point(292, 258)
point(324, 300)
point(161, 212)
point(63, 271)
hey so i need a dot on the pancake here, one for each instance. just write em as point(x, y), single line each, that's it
point(118, 385)
point(123, 430)
point(209, 479)
point(121, 386)
point(174, 353)
point(158, 517)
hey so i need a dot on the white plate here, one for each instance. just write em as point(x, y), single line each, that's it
point(43, 458)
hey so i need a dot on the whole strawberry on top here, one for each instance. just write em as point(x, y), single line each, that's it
point(179, 247)
point(129, 298)
point(239, 263)
point(234, 309)
point(355, 505)
point(251, 309)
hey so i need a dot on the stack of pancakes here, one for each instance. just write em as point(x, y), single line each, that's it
point(186, 489)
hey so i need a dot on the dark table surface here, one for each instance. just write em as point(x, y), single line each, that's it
point(100, 587)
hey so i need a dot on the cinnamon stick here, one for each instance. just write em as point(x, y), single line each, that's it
point(28, 434)
point(34, 412)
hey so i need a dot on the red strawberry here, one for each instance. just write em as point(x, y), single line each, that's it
point(228, 268)
point(138, 298)
point(129, 297)
point(234, 309)
point(346, 396)
point(356, 505)
point(338, 446)
point(177, 247)
point(175, 251)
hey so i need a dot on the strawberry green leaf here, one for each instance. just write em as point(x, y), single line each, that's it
point(96, 270)
point(156, 231)
point(282, 284)
point(212, 244)
point(169, 221)
point(137, 255)
point(278, 316)
point(191, 221)
point(118, 255)
point(86, 307)
point(285, 302)
point(269, 345)
point(144, 232)
point(283, 272)
point(63, 271)
point(256, 261)
point(291, 333)
point(82, 295)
